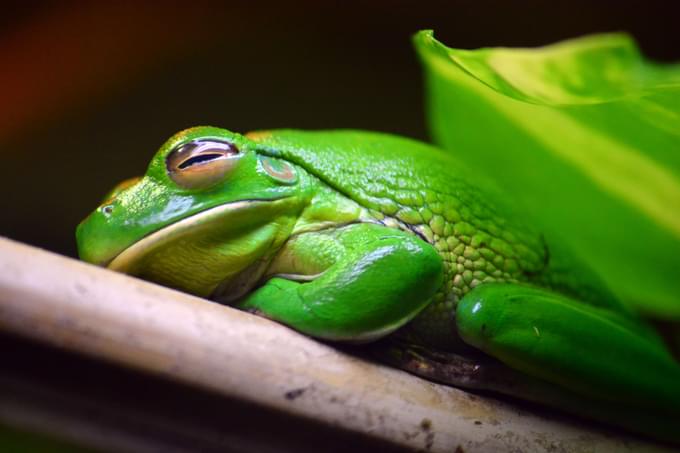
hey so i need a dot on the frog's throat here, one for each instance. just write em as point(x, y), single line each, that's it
point(125, 260)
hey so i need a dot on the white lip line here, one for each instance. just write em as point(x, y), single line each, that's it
point(120, 261)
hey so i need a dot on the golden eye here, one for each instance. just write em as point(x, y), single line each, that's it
point(202, 163)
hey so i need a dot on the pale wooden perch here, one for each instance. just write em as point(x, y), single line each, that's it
point(139, 325)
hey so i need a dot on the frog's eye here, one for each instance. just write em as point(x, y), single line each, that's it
point(200, 164)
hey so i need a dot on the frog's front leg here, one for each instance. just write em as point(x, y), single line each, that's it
point(373, 280)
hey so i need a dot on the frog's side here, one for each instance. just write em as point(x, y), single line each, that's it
point(419, 189)
point(351, 235)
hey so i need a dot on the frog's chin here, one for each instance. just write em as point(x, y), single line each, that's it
point(198, 253)
point(131, 255)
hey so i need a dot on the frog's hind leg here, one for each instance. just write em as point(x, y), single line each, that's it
point(589, 350)
point(600, 362)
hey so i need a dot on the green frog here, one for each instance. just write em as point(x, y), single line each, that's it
point(355, 236)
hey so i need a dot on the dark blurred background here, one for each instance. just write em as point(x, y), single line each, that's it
point(88, 91)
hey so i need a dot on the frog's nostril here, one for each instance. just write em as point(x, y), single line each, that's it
point(107, 209)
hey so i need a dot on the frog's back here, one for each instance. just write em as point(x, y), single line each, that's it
point(414, 186)
point(385, 173)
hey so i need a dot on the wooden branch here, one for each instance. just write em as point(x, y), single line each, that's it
point(143, 326)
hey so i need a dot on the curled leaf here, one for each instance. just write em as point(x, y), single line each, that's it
point(586, 134)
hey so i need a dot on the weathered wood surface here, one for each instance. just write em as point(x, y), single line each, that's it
point(139, 325)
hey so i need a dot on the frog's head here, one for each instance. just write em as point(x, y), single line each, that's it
point(209, 207)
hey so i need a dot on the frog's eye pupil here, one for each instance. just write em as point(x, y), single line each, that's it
point(199, 159)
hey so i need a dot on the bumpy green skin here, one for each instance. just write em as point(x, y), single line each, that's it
point(379, 235)
point(409, 185)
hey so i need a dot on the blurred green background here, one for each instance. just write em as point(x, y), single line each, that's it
point(90, 90)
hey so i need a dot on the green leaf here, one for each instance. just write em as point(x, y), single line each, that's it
point(586, 134)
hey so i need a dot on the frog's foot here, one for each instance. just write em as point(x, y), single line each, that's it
point(448, 368)
point(471, 371)
point(475, 371)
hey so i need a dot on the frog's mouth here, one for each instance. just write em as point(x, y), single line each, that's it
point(200, 252)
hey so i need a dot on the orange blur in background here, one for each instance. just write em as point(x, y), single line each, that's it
point(89, 90)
